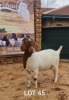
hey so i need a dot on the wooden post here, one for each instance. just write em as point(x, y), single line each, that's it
point(37, 21)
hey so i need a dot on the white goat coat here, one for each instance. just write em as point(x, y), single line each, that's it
point(43, 59)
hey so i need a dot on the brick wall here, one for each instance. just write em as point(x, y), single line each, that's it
point(54, 23)
point(11, 59)
point(37, 21)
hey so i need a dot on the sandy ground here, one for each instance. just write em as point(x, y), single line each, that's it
point(13, 84)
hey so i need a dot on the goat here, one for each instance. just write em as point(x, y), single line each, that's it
point(12, 42)
point(42, 60)
point(28, 46)
point(5, 40)
point(4, 43)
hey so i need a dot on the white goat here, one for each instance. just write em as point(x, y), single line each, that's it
point(4, 43)
point(12, 42)
point(43, 60)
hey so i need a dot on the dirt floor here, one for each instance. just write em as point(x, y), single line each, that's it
point(13, 84)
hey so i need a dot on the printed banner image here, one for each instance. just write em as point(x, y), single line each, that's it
point(16, 22)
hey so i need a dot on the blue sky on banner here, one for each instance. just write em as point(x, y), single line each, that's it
point(54, 3)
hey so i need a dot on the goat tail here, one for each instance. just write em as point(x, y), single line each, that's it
point(60, 48)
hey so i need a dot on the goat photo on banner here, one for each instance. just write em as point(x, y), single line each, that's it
point(16, 22)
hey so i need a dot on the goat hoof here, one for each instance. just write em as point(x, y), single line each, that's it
point(28, 86)
point(55, 81)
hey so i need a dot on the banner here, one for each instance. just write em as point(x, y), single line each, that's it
point(16, 22)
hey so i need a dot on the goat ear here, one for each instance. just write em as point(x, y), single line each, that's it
point(35, 44)
point(23, 47)
point(29, 39)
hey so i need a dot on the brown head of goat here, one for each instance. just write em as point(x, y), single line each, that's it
point(28, 46)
